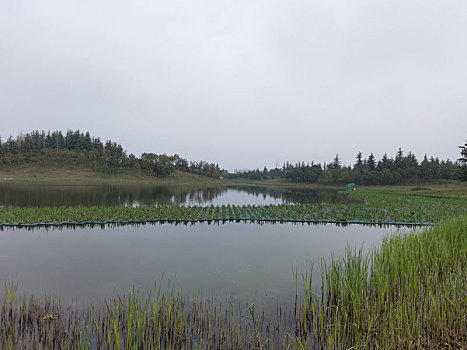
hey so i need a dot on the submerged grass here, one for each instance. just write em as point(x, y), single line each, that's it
point(160, 321)
point(411, 293)
point(367, 207)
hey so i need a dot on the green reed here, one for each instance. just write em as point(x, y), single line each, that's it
point(409, 294)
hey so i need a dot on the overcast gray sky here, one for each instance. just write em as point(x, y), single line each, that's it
point(245, 83)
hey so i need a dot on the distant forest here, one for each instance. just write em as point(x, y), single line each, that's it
point(75, 148)
point(78, 149)
point(402, 169)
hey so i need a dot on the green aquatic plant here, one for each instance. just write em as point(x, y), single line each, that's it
point(367, 207)
point(410, 293)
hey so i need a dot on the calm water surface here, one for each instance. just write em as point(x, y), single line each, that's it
point(18, 193)
point(237, 259)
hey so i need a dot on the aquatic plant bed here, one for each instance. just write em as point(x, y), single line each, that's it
point(411, 293)
point(370, 208)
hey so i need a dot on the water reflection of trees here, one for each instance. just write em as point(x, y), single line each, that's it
point(29, 194)
point(293, 195)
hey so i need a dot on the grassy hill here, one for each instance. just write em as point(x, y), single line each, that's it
point(42, 173)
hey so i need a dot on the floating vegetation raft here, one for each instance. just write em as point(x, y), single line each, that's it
point(373, 209)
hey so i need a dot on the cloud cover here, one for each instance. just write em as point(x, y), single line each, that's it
point(244, 83)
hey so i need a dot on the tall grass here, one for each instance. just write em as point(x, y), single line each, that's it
point(409, 294)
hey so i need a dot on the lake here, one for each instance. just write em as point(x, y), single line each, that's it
point(238, 259)
point(243, 260)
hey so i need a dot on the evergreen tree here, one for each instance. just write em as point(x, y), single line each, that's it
point(371, 162)
point(358, 165)
point(463, 161)
point(385, 163)
point(336, 163)
point(399, 161)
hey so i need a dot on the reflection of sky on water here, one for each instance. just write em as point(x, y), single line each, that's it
point(232, 258)
point(233, 197)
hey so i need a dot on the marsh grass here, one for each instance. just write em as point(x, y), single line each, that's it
point(163, 320)
point(409, 294)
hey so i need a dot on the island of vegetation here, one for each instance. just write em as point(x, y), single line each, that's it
point(367, 207)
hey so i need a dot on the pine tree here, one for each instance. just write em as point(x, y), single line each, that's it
point(371, 162)
point(359, 163)
point(399, 158)
point(336, 163)
point(463, 161)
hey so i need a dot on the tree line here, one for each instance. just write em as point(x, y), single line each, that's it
point(75, 148)
point(367, 171)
